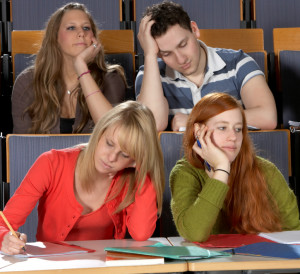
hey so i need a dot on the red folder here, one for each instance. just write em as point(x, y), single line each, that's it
point(232, 240)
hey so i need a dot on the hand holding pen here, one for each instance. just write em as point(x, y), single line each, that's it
point(13, 242)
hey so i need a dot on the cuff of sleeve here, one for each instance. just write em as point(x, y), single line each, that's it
point(214, 192)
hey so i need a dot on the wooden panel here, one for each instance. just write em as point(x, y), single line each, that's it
point(113, 41)
point(26, 42)
point(117, 41)
point(245, 39)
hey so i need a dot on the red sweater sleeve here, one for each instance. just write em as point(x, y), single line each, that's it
point(142, 213)
point(27, 195)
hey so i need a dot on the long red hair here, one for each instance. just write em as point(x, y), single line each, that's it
point(250, 206)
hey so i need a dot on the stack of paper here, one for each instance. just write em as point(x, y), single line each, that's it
point(283, 237)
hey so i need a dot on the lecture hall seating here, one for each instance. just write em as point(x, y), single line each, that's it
point(270, 14)
point(32, 14)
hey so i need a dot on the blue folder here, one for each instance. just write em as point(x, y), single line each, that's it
point(268, 249)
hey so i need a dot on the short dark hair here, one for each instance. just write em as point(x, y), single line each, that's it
point(165, 15)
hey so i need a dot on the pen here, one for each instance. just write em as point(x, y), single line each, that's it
point(206, 163)
point(10, 227)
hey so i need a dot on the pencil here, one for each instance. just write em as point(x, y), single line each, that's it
point(10, 227)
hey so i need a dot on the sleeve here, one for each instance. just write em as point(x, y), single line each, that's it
point(22, 97)
point(33, 186)
point(246, 68)
point(141, 215)
point(284, 197)
point(138, 81)
point(114, 88)
point(196, 202)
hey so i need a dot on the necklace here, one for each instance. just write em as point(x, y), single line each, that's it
point(70, 91)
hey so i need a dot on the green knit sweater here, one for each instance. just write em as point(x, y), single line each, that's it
point(198, 201)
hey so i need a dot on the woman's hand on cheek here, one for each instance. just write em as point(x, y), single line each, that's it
point(215, 156)
point(209, 151)
point(88, 54)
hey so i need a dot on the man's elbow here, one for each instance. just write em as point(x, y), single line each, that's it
point(273, 123)
point(161, 125)
point(268, 124)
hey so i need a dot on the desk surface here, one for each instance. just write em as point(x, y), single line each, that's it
point(91, 262)
point(236, 262)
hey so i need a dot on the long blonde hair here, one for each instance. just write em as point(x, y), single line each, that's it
point(250, 206)
point(139, 140)
point(48, 83)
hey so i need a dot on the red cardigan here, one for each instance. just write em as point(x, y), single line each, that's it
point(50, 181)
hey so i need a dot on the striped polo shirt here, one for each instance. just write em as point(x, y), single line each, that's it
point(226, 71)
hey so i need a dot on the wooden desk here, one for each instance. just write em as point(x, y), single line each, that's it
point(90, 262)
point(236, 262)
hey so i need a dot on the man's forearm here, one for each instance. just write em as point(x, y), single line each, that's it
point(261, 117)
point(152, 94)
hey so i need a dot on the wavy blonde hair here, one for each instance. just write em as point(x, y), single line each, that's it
point(250, 206)
point(48, 83)
point(139, 140)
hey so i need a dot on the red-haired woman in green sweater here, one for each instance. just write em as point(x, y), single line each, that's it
point(221, 186)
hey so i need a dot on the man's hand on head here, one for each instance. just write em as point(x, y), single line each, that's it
point(146, 40)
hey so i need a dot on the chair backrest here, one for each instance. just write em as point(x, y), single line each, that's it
point(290, 81)
point(211, 14)
point(261, 59)
point(171, 145)
point(250, 41)
point(273, 145)
point(284, 39)
point(32, 14)
point(22, 151)
point(270, 14)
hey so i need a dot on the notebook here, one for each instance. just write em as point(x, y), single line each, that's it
point(170, 252)
point(126, 259)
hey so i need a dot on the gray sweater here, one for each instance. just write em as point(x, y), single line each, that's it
point(23, 95)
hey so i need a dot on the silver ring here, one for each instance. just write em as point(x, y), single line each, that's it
point(94, 45)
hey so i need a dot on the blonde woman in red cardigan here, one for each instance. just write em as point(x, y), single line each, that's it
point(98, 190)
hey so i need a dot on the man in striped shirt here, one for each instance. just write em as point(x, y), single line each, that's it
point(187, 70)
